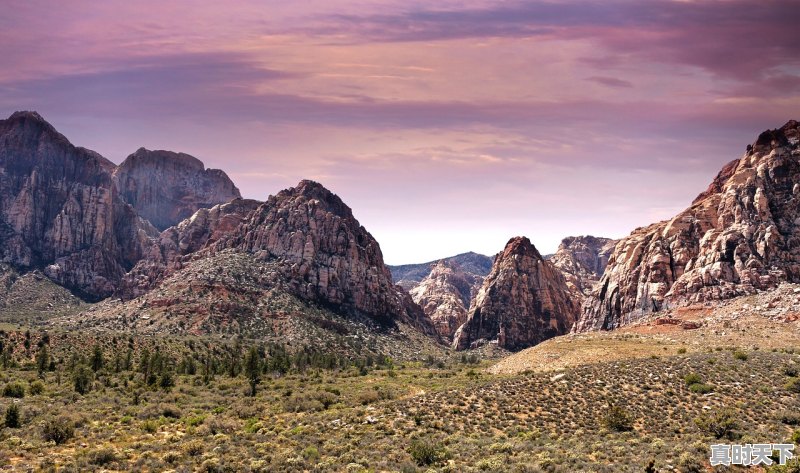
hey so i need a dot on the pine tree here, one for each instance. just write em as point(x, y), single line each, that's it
point(252, 367)
point(42, 360)
point(97, 359)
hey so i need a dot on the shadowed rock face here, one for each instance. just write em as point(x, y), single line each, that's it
point(524, 300)
point(59, 209)
point(739, 236)
point(582, 259)
point(166, 187)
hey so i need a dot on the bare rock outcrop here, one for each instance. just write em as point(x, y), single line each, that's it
point(166, 187)
point(524, 301)
point(582, 260)
point(59, 210)
point(740, 236)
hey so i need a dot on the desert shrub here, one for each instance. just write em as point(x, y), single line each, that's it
point(617, 419)
point(102, 456)
point(171, 411)
point(58, 430)
point(688, 463)
point(193, 448)
point(12, 416)
point(701, 388)
point(721, 423)
point(793, 385)
point(14, 389)
point(789, 417)
point(790, 370)
point(150, 426)
point(692, 378)
point(426, 452)
point(740, 355)
point(36, 388)
point(681, 350)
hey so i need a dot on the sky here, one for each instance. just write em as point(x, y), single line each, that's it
point(447, 126)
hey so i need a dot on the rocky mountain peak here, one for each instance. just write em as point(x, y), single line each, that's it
point(521, 246)
point(318, 195)
point(523, 301)
point(167, 187)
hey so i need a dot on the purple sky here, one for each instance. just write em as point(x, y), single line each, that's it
point(446, 128)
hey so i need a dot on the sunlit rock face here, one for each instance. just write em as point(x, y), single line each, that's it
point(739, 236)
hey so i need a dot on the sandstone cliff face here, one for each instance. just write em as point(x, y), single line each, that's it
point(582, 260)
point(739, 236)
point(166, 187)
point(59, 209)
point(445, 296)
point(524, 300)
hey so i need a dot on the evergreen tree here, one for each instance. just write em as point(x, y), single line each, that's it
point(97, 359)
point(42, 360)
point(252, 367)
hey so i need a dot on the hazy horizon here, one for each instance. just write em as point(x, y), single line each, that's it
point(446, 128)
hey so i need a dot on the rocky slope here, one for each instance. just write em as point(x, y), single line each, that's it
point(304, 242)
point(445, 296)
point(166, 187)
point(582, 260)
point(473, 264)
point(523, 301)
point(59, 210)
point(740, 236)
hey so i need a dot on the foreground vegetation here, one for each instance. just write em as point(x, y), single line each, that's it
point(78, 402)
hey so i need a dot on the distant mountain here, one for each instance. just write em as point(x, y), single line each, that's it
point(409, 275)
point(740, 236)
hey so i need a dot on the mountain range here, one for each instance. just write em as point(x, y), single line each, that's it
point(162, 244)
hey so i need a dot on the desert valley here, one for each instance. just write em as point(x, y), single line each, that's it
point(155, 320)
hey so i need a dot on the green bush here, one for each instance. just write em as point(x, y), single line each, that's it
point(58, 430)
point(721, 423)
point(692, 378)
point(12, 416)
point(102, 456)
point(740, 355)
point(427, 452)
point(14, 389)
point(36, 388)
point(701, 388)
point(617, 419)
point(793, 385)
